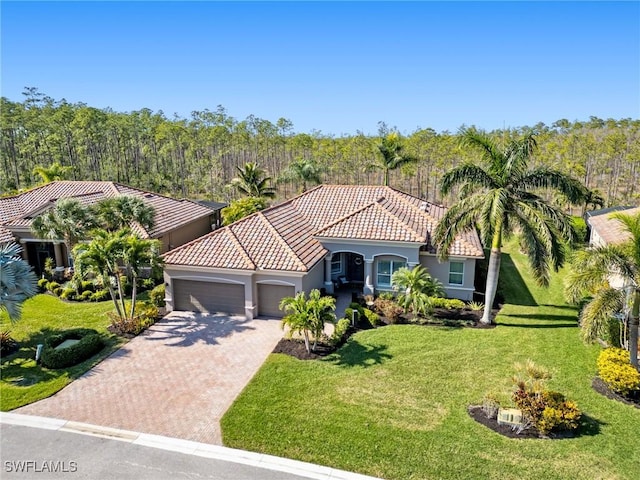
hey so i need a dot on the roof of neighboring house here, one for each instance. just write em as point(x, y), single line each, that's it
point(288, 236)
point(610, 230)
point(170, 213)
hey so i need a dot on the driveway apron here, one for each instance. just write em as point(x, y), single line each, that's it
point(176, 379)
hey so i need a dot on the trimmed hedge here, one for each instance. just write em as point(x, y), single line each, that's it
point(90, 343)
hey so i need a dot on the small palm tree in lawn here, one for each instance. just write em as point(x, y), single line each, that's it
point(18, 282)
point(253, 181)
point(416, 285)
point(303, 171)
point(67, 220)
point(501, 198)
point(308, 316)
point(591, 271)
point(120, 212)
point(392, 156)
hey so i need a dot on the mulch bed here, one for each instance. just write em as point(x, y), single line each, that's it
point(603, 389)
point(296, 349)
point(475, 412)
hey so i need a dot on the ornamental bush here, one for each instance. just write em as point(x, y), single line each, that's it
point(156, 295)
point(448, 303)
point(340, 331)
point(90, 343)
point(615, 369)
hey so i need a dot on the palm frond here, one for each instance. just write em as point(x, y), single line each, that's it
point(547, 178)
point(598, 312)
point(467, 174)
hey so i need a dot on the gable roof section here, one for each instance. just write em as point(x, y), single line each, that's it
point(609, 229)
point(286, 236)
point(170, 213)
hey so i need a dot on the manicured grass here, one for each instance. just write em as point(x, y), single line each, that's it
point(392, 402)
point(23, 381)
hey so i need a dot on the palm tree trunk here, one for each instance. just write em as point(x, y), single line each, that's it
point(493, 272)
point(305, 333)
point(633, 329)
point(386, 177)
point(134, 291)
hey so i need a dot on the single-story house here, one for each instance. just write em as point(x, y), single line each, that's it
point(606, 230)
point(329, 235)
point(176, 221)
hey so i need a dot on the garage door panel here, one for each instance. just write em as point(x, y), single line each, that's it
point(208, 297)
point(269, 297)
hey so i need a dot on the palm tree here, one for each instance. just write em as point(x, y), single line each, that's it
point(591, 271)
point(392, 156)
point(110, 255)
point(253, 182)
point(68, 220)
point(308, 316)
point(499, 199)
point(416, 286)
point(303, 171)
point(120, 212)
point(49, 174)
point(17, 280)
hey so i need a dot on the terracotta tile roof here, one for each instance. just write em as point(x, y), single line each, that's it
point(609, 229)
point(170, 213)
point(286, 236)
point(6, 236)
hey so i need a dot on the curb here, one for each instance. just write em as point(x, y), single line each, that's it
point(269, 462)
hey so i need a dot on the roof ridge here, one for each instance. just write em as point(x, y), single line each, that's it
point(239, 246)
point(281, 240)
point(399, 195)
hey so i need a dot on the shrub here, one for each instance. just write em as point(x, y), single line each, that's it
point(388, 308)
point(87, 286)
point(615, 369)
point(7, 344)
point(156, 295)
point(85, 296)
point(490, 405)
point(340, 331)
point(372, 317)
point(475, 306)
point(448, 303)
point(42, 284)
point(129, 326)
point(68, 294)
point(58, 291)
point(100, 295)
point(147, 310)
point(90, 343)
point(51, 286)
point(613, 331)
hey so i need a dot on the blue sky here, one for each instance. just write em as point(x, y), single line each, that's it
point(336, 67)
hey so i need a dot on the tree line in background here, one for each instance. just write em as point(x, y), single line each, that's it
point(197, 157)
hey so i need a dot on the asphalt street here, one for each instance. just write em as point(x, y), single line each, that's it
point(35, 453)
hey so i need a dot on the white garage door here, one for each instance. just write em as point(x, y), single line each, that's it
point(208, 297)
point(269, 297)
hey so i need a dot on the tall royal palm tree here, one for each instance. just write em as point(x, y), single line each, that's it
point(392, 156)
point(68, 220)
point(120, 212)
point(590, 274)
point(18, 282)
point(500, 199)
point(253, 181)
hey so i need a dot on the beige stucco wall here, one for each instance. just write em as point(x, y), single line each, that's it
point(314, 277)
point(440, 270)
point(185, 234)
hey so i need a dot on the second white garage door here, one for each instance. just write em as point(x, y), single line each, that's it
point(269, 297)
point(208, 297)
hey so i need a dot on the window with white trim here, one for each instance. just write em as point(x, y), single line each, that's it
point(336, 263)
point(456, 273)
point(386, 268)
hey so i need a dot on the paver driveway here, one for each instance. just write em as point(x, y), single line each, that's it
point(177, 379)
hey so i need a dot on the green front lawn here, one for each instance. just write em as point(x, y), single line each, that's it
point(23, 381)
point(392, 402)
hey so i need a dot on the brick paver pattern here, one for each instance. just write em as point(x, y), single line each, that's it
point(177, 379)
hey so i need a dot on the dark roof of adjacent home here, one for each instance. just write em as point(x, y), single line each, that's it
point(170, 213)
point(610, 230)
point(287, 236)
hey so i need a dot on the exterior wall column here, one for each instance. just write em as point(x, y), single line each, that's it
point(328, 284)
point(57, 249)
point(24, 253)
point(368, 276)
point(250, 309)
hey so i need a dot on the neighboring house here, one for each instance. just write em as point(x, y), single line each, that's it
point(176, 221)
point(329, 235)
point(605, 230)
